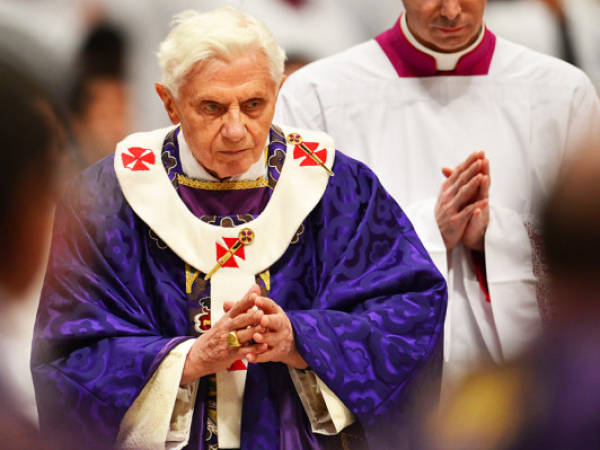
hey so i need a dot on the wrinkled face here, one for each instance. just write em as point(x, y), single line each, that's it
point(225, 110)
point(445, 25)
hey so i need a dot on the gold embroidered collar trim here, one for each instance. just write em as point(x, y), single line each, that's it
point(222, 185)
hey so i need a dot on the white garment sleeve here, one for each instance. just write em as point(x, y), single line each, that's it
point(326, 412)
point(509, 272)
point(511, 281)
point(584, 115)
point(422, 217)
point(161, 415)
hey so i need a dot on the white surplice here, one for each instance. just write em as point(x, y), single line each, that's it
point(526, 112)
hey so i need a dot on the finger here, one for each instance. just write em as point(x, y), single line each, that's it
point(485, 184)
point(447, 172)
point(482, 204)
point(271, 339)
point(273, 322)
point(259, 337)
point(487, 181)
point(267, 305)
point(464, 165)
point(466, 193)
point(247, 350)
point(486, 167)
point(480, 208)
point(246, 302)
point(472, 171)
point(257, 350)
point(484, 189)
point(267, 356)
point(247, 334)
point(249, 319)
point(476, 217)
point(227, 305)
point(478, 223)
point(467, 212)
point(473, 237)
point(464, 172)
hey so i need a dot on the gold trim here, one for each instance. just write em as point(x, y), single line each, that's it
point(190, 276)
point(266, 277)
point(222, 186)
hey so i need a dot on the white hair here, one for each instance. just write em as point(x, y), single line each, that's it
point(222, 33)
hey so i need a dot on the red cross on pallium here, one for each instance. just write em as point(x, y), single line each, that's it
point(222, 250)
point(238, 365)
point(299, 153)
point(137, 158)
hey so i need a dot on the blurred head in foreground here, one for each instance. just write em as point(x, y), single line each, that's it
point(549, 398)
point(571, 230)
point(33, 142)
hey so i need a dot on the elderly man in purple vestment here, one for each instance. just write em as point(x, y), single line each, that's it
point(227, 283)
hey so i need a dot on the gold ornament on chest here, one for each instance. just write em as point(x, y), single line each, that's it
point(236, 247)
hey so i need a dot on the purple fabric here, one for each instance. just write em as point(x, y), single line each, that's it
point(410, 62)
point(366, 303)
point(200, 410)
point(225, 203)
point(206, 202)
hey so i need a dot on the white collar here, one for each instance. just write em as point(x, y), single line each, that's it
point(444, 61)
point(149, 192)
point(193, 169)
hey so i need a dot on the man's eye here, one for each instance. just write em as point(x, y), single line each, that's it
point(252, 104)
point(211, 107)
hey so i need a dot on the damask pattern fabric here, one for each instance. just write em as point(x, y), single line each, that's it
point(365, 301)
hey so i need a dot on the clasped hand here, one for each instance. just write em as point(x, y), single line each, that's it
point(462, 208)
point(265, 334)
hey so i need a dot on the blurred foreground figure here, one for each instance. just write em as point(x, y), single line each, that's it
point(31, 160)
point(214, 285)
point(550, 397)
point(466, 130)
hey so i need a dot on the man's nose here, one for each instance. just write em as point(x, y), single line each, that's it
point(451, 9)
point(234, 127)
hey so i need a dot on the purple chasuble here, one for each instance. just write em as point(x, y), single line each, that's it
point(365, 302)
point(410, 62)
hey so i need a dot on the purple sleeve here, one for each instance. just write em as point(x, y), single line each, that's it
point(98, 337)
point(378, 314)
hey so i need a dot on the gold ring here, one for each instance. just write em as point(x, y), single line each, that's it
point(232, 339)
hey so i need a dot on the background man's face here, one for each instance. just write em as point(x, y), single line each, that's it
point(105, 119)
point(225, 110)
point(445, 25)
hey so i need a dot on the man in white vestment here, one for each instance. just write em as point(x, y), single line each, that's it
point(465, 130)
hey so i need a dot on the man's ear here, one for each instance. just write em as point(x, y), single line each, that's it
point(168, 101)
